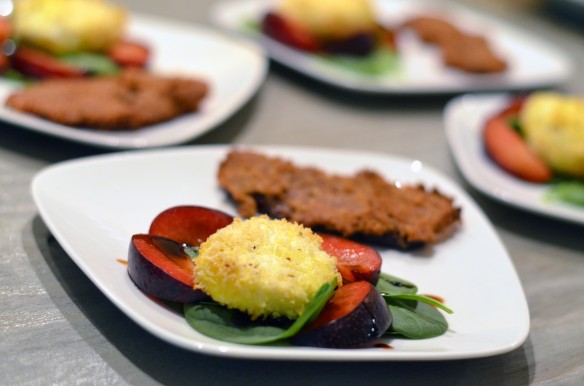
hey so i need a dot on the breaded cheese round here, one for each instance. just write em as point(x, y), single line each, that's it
point(68, 26)
point(553, 125)
point(331, 19)
point(264, 267)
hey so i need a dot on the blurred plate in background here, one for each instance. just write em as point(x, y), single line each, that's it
point(532, 62)
point(464, 121)
point(233, 68)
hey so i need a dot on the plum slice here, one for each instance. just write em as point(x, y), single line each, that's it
point(508, 149)
point(289, 33)
point(157, 261)
point(355, 261)
point(361, 44)
point(126, 53)
point(161, 268)
point(355, 315)
point(37, 64)
point(189, 224)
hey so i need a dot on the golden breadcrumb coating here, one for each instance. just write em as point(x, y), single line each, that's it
point(553, 125)
point(331, 19)
point(66, 26)
point(264, 267)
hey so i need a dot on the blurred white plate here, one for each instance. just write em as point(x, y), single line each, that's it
point(464, 120)
point(234, 69)
point(532, 62)
point(94, 205)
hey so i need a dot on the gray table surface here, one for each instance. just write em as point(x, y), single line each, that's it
point(57, 328)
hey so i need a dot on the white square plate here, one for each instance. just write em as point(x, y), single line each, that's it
point(94, 205)
point(233, 68)
point(464, 120)
point(532, 62)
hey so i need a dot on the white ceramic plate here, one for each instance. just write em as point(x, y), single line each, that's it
point(94, 205)
point(532, 62)
point(234, 68)
point(464, 120)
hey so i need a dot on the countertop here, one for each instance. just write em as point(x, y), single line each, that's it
point(56, 327)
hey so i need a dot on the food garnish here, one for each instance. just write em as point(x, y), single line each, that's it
point(260, 281)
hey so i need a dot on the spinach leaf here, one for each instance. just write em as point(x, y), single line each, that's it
point(252, 25)
point(95, 64)
point(515, 124)
point(12, 74)
point(420, 322)
point(424, 299)
point(569, 191)
point(225, 324)
point(393, 285)
point(381, 61)
point(192, 252)
point(414, 315)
